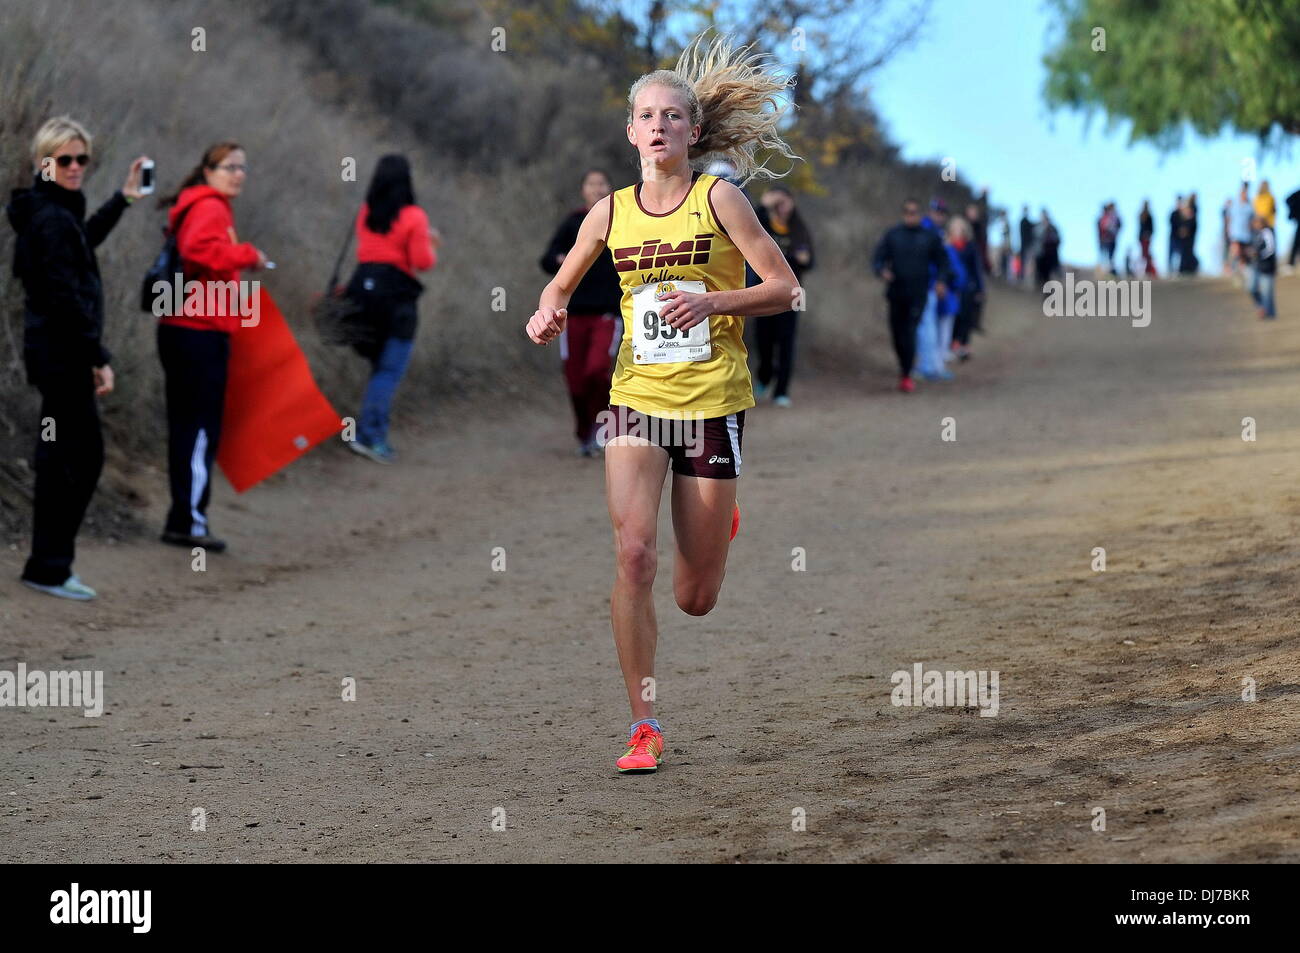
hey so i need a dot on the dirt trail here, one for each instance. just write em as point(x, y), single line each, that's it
point(479, 689)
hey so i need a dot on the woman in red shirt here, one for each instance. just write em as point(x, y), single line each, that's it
point(194, 345)
point(394, 241)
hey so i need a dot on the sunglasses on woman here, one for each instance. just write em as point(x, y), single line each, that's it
point(65, 161)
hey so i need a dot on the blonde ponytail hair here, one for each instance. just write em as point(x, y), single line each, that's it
point(727, 90)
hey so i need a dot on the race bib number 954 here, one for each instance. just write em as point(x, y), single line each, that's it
point(653, 340)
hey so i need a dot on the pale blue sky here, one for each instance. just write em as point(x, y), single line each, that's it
point(971, 88)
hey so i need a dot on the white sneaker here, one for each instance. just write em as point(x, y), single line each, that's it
point(782, 401)
point(71, 588)
point(380, 453)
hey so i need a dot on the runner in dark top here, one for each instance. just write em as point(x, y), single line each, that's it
point(776, 333)
point(588, 341)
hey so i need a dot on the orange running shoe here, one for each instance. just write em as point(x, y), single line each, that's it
point(644, 751)
point(735, 521)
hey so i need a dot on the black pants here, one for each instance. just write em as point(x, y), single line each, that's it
point(1295, 238)
point(194, 363)
point(67, 470)
point(775, 335)
point(904, 315)
point(1046, 266)
point(968, 318)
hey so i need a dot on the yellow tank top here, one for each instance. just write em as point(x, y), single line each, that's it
point(686, 244)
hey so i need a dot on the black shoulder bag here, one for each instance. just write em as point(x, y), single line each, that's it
point(339, 316)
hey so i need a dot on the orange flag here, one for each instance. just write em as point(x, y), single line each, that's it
point(274, 412)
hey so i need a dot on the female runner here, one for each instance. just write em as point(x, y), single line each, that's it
point(680, 240)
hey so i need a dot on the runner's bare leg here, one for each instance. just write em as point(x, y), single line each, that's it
point(702, 529)
point(634, 481)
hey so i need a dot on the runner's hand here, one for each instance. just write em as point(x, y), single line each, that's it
point(683, 309)
point(546, 324)
point(103, 380)
point(887, 274)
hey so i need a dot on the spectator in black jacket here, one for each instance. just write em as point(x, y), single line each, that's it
point(1146, 228)
point(1293, 211)
point(63, 349)
point(1188, 264)
point(977, 218)
point(776, 333)
point(1175, 221)
point(1026, 244)
point(909, 257)
point(1047, 242)
point(595, 326)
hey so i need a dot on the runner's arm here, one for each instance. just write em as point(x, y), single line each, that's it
point(776, 292)
point(548, 320)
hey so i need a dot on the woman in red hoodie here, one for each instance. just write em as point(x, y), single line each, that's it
point(194, 346)
point(394, 241)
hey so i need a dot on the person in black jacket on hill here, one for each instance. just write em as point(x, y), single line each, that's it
point(1026, 244)
point(1175, 222)
point(63, 350)
point(595, 326)
point(909, 258)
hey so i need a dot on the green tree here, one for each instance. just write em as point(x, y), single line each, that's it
point(1166, 65)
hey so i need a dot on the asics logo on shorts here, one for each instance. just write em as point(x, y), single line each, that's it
point(717, 459)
